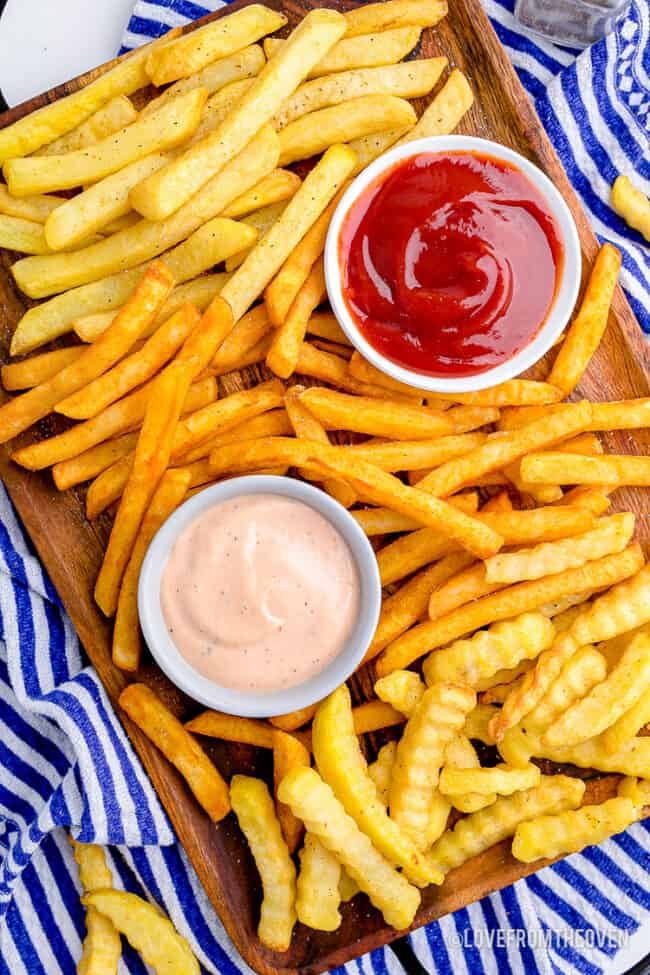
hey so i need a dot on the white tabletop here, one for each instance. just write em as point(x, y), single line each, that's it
point(45, 42)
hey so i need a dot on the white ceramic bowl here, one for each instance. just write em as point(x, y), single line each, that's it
point(561, 309)
point(265, 704)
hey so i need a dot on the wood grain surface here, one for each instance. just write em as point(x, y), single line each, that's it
point(71, 547)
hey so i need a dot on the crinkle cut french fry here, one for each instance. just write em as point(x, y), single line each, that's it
point(520, 598)
point(288, 752)
point(461, 754)
point(438, 716)
point(579, 675)
point(38, 369)
point(255, 812)
point(21, 412)
point(379, 418)
point(621, 609)
point(342, 765)
point(325, 326)
point(638, 790)
point(179, 746)
point(502, 646)
point(610, 535)
point(477, 725)
point(396, 13)
point(500, 779)
point(483, 829)
point(313, 801)
point(381, 770)
point(102, 946)
point(570, 831)
point(446, 110)
point(318, 896)
point(502, 450)
point(288, 338)
point(613, 469)
point(403, 690)
point(127, 642)
point(628, 725)
point(585, 332)
point(373, 716)
point(631, 204)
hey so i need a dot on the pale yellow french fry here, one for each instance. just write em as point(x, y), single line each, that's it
point(56, 118)
point(502, 646)
point(381, 770)
point(610, 535)
point(628, 725)
point(102, 946)
point(171, 125)
point(477, 725)
point(98, 205)
point(288, 338)
point(631, 204)
point(313, 133)
point(500, 779)
point(585, 332)
point(163, 193)
point(318, 896)
point(220, 38)
point(521, 598)
point(403, 689)
point(396, 13)
point(620, 610)
point(547, 837)
point(438, 716)
point(638, 790)
point(362, 51)
point(313, 801)
point(370, 147)
point(481, 830)
point(579, 675)
point(617, 470)
point(348, 888)
point(446, 110)
point(110, 118)
point(217, 107)
point(279, 185)
point(461, 754)
point(145, 239)
point(34, 208)
point(24, 236)
point(342, 765)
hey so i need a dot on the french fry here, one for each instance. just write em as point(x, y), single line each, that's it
point(361, 369)
point(248, 331)
point(246, 731)
point(502, 450)
point(151, 457)
point(632, 414)
point(628, 725)
point(409, 455)
point(500, 779)
point(313, 133)
point(112, 117)
point(288, 338)
point(167, 190)
point(324, 325)
point(119, 418)
point(494, 689)
point(98, 205)
point(24, 236)
point(21, 412)
point(343, 767)
point(348, 888)
point(127, 643)
point(593, 499)
point(610, 535)
point(631, 204)
point(318, 896)
point(502, 646)
point(134, 369)
point(471, 583)
point(274, 423)
point(219, 39)
point(446, 110)
point(631, 759)
point(397, 13)
point(177, 745)
point(477, 725)
point(570, 831)
point(146, 928)
point(382, 521)
point(620, 610)
point(410, 80)
point(288, 753)
point(33, 208)
point(610, 469)
point(438, 716)
point(266, 258)
point(146, 239)
point(313, 801)
point(638, 790)
point(279, 185)
point(514, 392)
point(367, 51)
point(38, 368)
point(56, 118)
point(374, 716)
point(483, 829)
point(165, 128)
point(498, 503)
point(370, 147)
point(521, 598)
point(379, 418)
point(403, 690)
point(461, 754)
point(333, 369)
point(294, 719)
point(584, 335)
point(102, 946)
point(381, 770)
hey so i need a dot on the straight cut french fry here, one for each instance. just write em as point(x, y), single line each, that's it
point(24, 236)
point(379, 418)
point(609, 469)
point(288, 338)
point(38, 368)
point(279, 185)
point(514, 392)
point(88, 464)
point(179, 746)
point(412, 455)
point(366, 51)
point(34, 208)
point(403, 690)
point(110, 118)
point(631, 204)
point(216, 76)
point(396, 13)
point(468, 585)
point(446, 110)
point(228, 727)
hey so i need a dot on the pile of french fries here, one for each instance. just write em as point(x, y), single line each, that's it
point(516, 609)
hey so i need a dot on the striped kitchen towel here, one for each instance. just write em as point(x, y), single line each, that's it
point(66, 764)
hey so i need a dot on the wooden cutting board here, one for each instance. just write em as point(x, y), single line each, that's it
point(71, 548)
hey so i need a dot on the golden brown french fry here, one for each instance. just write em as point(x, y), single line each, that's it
point(410, 455)
point(282, 358)
point(295, 719)
point(165, 128)
point(521, 598)
point(288, 753)
point(329, 368)
point(514, 392)
point(144, 303)
point(56, 118)
point(610, 469)
point(361, 369)
point(470, 584)
point(163, 193)
point(38, 368)
point(281, 184)
point(127, 642)
point(587, 328)
point(318, 896)
point(228, 727)
point(133, 370)
point(379, 418)
point(219, 39)
point(88, 464)
point(179, 747)
point(631, 204)
point(366, 51)
point(248, 331)
point(396, 13)
point(275, 423)
point(108, 119)
point(313, 133)
point(266, 258)
point(446, 110)
point(151, 457)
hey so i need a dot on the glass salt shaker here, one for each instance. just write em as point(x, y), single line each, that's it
point(574, 23)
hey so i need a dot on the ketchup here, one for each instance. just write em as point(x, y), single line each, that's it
point(450, 263)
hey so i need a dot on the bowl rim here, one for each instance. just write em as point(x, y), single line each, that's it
point(563, 303)
point(230, 700)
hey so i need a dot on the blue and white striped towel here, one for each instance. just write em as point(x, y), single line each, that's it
point(65, 762)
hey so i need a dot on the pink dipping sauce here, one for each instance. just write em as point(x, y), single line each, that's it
point(260, 593)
